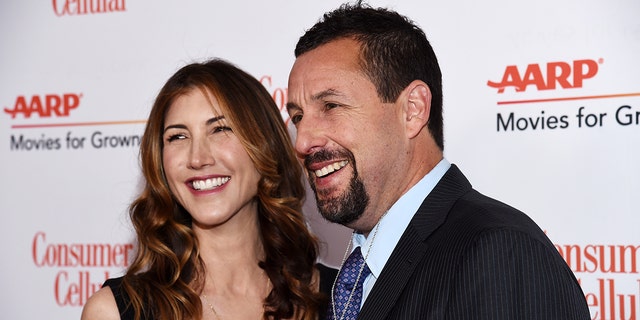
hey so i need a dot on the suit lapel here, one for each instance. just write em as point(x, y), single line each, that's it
point(412, 245)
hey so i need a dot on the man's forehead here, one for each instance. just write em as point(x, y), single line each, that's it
point(311, 96)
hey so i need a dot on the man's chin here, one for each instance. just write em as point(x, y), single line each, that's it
point(342, 205)
point(343, 218)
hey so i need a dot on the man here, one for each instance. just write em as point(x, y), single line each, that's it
point(365, 96)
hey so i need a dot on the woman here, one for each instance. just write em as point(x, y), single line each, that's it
point(219, 225)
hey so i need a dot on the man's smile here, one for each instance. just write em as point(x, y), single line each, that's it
point(330, 168)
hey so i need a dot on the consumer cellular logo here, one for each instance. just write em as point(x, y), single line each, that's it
point(81, 267)
point(83, 7)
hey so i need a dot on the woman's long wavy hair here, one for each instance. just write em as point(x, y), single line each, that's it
point(167, 275)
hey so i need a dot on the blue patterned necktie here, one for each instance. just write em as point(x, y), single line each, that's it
point(345, 308)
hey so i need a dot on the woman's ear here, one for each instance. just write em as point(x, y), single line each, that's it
point(417, 107)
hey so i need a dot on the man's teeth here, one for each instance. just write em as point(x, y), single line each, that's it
point(209, 183)
point(330, 168)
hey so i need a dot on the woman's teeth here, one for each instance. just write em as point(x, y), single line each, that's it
point(209, 184)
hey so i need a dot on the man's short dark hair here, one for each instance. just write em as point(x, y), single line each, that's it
point(394, 52)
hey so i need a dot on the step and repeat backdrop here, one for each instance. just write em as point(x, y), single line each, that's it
point(542, 111)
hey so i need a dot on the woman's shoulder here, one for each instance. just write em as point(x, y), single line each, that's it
point(101, 306)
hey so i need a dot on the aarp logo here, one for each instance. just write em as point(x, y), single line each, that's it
point(45, 106)
point(550, 76)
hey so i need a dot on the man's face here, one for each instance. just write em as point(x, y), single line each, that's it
point(347, 137)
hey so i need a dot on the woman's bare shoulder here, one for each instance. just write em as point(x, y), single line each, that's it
point(101, 306)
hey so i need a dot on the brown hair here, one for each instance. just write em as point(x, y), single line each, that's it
point(166, 277)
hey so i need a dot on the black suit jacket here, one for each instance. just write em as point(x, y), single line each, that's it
point(467, 256)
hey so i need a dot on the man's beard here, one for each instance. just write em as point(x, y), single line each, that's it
point(350, 205)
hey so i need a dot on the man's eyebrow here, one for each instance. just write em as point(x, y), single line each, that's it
point(291, 106)
point(318, 96)
point(326, 93)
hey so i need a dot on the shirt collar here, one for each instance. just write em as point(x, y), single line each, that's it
point(392, 225)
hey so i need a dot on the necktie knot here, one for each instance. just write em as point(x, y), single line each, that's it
point(348, 288)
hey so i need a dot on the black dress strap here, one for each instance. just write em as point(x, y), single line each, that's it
point(327, 276)
point(122, 298)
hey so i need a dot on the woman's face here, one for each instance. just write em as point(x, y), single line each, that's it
point(208, 170)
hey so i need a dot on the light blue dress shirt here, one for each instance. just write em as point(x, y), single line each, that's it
point(392, 225)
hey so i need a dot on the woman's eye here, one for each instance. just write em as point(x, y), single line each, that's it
point(221, 129)
point(174, 137)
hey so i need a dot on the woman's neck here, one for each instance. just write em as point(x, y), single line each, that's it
point(231, 253)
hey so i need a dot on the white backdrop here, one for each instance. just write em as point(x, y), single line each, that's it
point(560, 141)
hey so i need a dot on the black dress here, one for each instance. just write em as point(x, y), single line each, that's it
point(327, 275)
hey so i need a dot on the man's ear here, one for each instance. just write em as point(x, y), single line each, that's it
point(417, 107)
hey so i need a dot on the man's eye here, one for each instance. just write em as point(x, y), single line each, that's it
point(296, 118)
point(331, 105)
